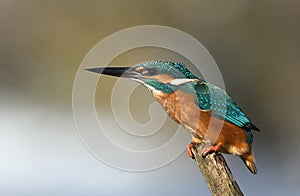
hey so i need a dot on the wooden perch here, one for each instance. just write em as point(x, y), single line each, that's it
point(216, 173)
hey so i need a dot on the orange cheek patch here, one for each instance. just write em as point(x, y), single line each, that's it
point(162, 78)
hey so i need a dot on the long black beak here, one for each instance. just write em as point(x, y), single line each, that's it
point(125, 72)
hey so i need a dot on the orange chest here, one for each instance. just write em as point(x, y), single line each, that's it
point(183, 108)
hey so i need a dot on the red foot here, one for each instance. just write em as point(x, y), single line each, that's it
point(189, 150)
point(210, 149)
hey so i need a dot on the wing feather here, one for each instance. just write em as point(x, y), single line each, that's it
point(211, 97)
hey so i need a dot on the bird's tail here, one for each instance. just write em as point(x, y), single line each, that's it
point(249, 161)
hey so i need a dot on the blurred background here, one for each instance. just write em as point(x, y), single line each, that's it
point(256, 45)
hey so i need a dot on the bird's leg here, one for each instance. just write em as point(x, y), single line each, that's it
point(191, 145)
point(210, 149)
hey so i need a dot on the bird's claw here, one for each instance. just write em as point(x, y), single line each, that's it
point(210, 149)
point(189, 150)
point(205, 152)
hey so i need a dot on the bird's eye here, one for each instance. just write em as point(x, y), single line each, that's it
point(147, 72)
point(152, 71)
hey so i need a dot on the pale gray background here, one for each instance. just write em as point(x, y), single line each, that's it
point(255, 44)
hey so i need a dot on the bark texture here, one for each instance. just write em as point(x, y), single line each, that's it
point(216, 173)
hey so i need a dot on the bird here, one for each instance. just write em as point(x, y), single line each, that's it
point(206, 111)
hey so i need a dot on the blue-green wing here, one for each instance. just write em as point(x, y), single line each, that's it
point(210, 97)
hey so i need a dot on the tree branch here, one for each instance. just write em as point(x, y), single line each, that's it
point(216, 173)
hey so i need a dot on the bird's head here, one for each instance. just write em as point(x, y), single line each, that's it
point(156, 75)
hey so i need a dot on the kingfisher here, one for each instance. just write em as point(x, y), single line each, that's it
point(206, 111)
